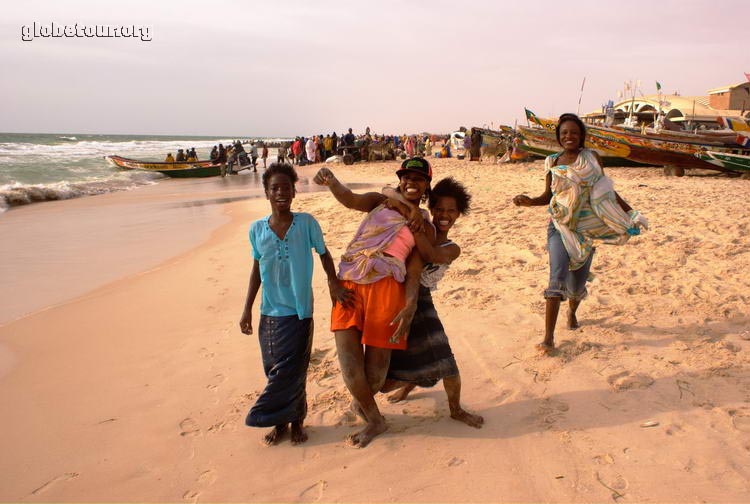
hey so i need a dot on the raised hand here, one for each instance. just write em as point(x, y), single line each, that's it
point(324, 177)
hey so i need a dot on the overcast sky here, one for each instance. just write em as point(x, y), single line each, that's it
point(279, 68)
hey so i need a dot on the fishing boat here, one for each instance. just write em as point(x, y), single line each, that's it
point(543, 142)
point(675, 154)
point(178, 170)
point(732, 162)
point(668, 152)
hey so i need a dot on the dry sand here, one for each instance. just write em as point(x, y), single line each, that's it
point(138, 390)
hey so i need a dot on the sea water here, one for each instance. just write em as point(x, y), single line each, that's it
point(43, 167)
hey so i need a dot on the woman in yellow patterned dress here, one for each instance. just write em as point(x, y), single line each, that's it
point(583, 206)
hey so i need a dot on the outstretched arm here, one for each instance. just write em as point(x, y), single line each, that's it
point(541, 200)
point(246, 322)
point(345, 196)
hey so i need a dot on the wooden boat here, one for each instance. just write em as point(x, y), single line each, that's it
point(649, 149)
point(542, 142)
point(177, 170)
point(671, 151)
point(733, 162)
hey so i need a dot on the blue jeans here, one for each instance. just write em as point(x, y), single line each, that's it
point(564, 283)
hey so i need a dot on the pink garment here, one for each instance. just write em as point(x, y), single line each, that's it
point(363, 261)
point(401, 245)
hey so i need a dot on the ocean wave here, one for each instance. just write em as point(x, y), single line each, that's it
point(16, 194)
point(21, 152)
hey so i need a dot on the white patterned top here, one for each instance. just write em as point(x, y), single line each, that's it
point(433, 273)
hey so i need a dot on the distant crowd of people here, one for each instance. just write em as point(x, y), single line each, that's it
point(319, 148)
point(183, 156)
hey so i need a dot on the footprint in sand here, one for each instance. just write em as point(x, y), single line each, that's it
point(550, 411)
point(216, 381)
point(189, 427)
point(207, 477)
point(191, 496)
point(455, 461)
point(46, 486)
point(741, 422)
point(314, 492)
point(205, 353)
point(627, 381)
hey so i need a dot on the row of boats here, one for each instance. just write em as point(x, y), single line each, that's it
point(726, 150)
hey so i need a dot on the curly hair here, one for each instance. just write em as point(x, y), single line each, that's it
point(451, 188)
point(279, 168)
point(571, 118)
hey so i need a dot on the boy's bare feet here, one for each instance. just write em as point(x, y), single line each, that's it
point(546, 348)
point(401, 394)
point(273, 437)
point(572, 320)
point(469, 419)
point(298, 433)
point(362, 438)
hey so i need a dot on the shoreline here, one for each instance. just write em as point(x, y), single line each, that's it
point(148, 379)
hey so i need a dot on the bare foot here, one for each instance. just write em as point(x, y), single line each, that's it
point(273, 437)
point(469, 419)
point(362, 438)
point(572, 320)
point(401, 394)
point(546, 348)
point(298, 433)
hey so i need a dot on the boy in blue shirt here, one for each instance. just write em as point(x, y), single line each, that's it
point(283, 263)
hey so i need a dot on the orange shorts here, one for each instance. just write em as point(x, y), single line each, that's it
point(375, 307)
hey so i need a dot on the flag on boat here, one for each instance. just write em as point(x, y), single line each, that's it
point(733, 124)
point(747, 76)
point(532, 117)
point(658, 86)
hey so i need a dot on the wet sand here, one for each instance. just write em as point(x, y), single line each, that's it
point(137, 390)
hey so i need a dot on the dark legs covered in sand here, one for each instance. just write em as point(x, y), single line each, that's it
point(452, 385)
point(550, 320)
point(364, 370)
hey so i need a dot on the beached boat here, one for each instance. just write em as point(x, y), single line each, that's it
point(733, 162)
point(675, 154)
point(178, 170)
point(543, 142)
point(670, 152)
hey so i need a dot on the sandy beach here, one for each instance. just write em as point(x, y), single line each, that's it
point(132, 384)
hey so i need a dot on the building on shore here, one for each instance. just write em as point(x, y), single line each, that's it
point(688, 111)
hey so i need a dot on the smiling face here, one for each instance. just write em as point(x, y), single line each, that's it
point(570, 136)
point(413, 186)
point(444, 213)
point(280, 192)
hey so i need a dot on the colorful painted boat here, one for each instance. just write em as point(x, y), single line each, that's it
point(662, 152)
point(543, 142)
point(177, 170)
point(733, 162)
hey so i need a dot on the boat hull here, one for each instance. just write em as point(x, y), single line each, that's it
point(733, 162)
point(543, 142)
point(176, 170)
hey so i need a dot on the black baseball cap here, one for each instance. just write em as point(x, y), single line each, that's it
point(417, 165)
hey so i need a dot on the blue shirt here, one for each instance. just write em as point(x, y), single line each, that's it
point(286, 266)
